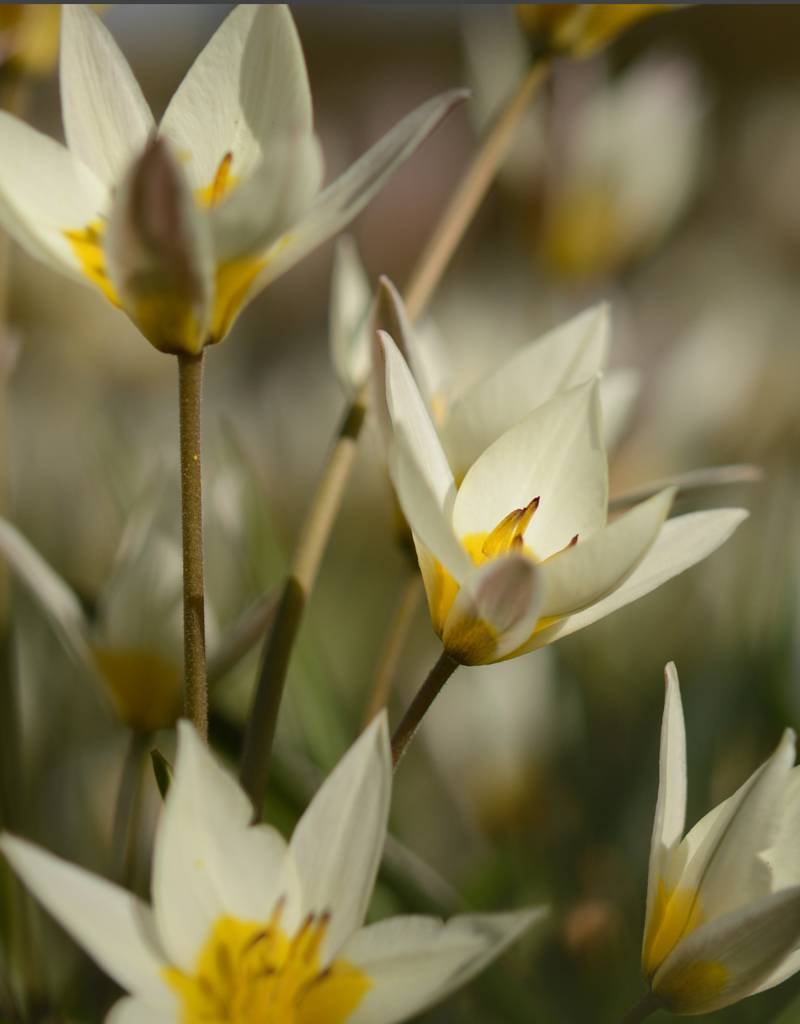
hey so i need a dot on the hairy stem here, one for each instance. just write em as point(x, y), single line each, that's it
point(195, 699)
point(426, 695)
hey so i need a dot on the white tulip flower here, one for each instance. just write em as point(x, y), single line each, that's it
point(245, 927)
point(723, 902)
point(521, 553)
point(244, 204)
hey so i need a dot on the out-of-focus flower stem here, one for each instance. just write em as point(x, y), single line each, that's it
point(190, 387)
point(426, 695)
point(328, 497)
point(393, 645)
point(643, 1010)
point(127, 812)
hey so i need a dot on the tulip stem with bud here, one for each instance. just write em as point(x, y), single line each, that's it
point(190, 384)
point(643, 1009)
point(426, 695)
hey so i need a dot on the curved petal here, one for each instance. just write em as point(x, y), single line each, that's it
point(113, 926)
point(556, 453)
point(414, 962)
point(670, 816)
point(278, 192)
point(566, 356)
point(346, 197)
point(682, 542)
point(248, 86)
point(45, 191)
point(208, 861)
point(590, 569)
point(732, 957)
point(348, 326)
point(106, 118)
point(494, 611)
point(337, 844)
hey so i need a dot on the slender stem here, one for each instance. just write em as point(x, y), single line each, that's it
point(128, 807)
point(190, 382)
point(470, 192)
point(393, 646)
point(643, 1009)
point(328, 496)
point(426, 695)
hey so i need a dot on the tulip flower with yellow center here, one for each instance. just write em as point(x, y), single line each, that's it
point(522, 552)
point(247, 929)
point(183, 249)
point(723, 902)
point(581, 29)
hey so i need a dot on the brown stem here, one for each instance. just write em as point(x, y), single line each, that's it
point(195, 700)
point(393, 647)
point(426, 695)
point(643, 1009)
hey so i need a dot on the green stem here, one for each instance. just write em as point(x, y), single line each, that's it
point(190, 386)
point(393, 646)
point(643, 1009)
point(426, 695)
point(128, 808)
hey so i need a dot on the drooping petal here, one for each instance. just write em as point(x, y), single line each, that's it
point(346, 197)
point(730, 957)
point(427, 519)
point(413, 962)
point(348, 327)
point(495, 610)
point(57, 601)
point(159, 254)
point(279, 190)
point(44, 192)
point(566, 356)
point(670, 816)
point(208, 861)
point(590, 569)
point(247, 87)
point(106, 118)
point(411, 421)
point(113, 926)
point(337, 844)
point(135, 1011)
point(556, 453)
point(682, 542)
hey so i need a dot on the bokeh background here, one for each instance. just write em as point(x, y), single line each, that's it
point(660, 175)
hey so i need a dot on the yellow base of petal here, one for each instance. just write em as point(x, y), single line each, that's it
point(145, 687)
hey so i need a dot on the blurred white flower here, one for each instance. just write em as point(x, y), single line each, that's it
point(521, 552)
point(723, 902)
point(246, 927)
point(240, 202)
point(581, 29)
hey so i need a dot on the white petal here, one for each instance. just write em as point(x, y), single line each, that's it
point(411, 421)
point(567, 356)
point(106, 118)
point(346, 197)
point(670, 816)
point(248, 86)
point(590, 569)
point(619, 391)
point(135, 1011)
point(208, 861)
point(276, 194)
point(159, 253)
point(556, 453)
point(44, 191)
point(682, 543)
point(348, 327)
point(781, 857)
point(56, 599)
point(495, 610)
point(749, 946)
point(113, 926)
point(338, 843)
point(413, 962)
point(429, 522)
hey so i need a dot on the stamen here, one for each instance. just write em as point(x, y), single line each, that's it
point(219, 186)
point(567, 546)
point(504, 536)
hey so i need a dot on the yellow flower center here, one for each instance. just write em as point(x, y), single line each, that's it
point(249, 973)
point(233, 278)
point(676, 913)
point(145, 687)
